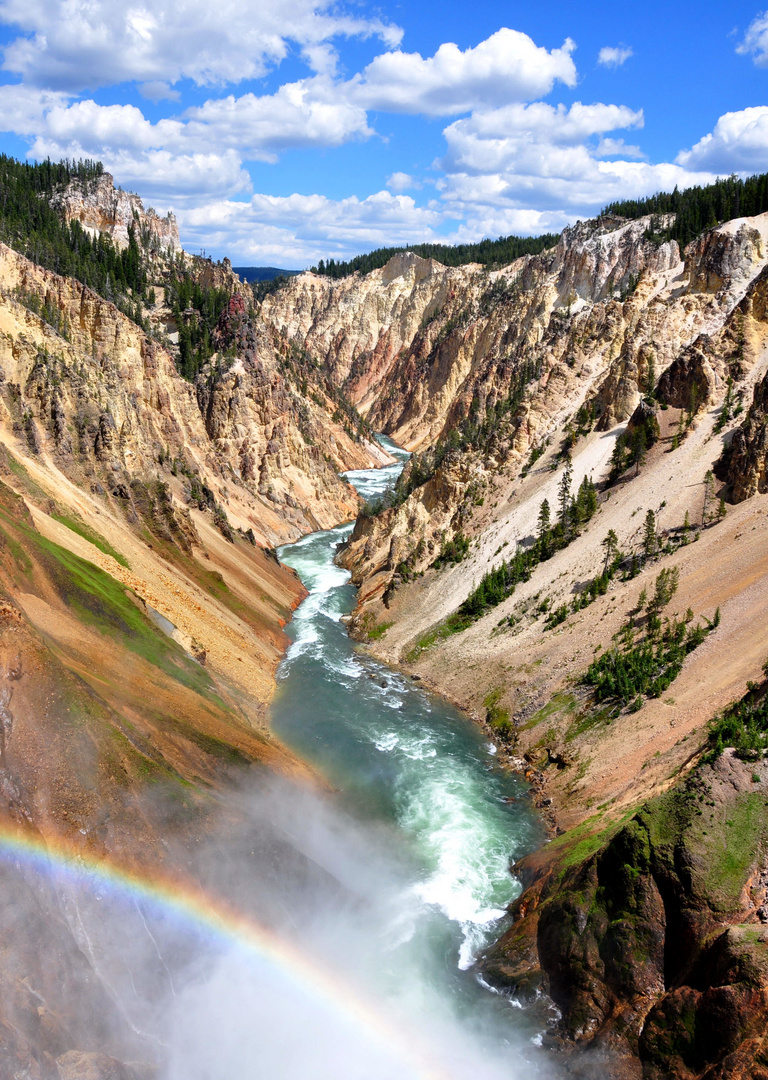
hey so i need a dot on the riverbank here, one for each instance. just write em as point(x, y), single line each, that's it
point(404, 759)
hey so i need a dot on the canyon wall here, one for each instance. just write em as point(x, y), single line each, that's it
point(515, 382)
point(104, 210)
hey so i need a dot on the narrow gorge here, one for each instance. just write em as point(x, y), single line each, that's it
point(382, 657)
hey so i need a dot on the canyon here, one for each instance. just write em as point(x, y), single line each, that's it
point(144, 606)
point(578, 339)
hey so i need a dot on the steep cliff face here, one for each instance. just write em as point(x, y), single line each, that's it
point(747, 455)
point(653, 947)
point(544, 358)
point(644, 934)
point(103, 209)
point(141, 616)
point(107, 404)
point(420, 347)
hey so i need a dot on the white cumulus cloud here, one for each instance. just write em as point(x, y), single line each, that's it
point(755, 43)
point(739, 143)
point(614, 55)
point(310, 112)
point(298, 230)
point(73, 45)
point(402, 181)
point(507, 66)
point(536, 139)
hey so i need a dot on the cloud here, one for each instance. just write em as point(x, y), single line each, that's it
point(297, 230)
point(561, 199)
point(310, 112)
point(506, 67)
point(75, 46)
point(538, 166)
point(739, 143)
point(23, 108)
point(609, 147)
point(614, 55)
point(537, 139)
point(402, 181)
point(755, 43)
point(158, 91)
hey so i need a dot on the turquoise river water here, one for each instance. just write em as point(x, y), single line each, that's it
point(407, 762)
point(338, 928)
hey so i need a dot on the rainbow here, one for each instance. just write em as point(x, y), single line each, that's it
point(214, 915)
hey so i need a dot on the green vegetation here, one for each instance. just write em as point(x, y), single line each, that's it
point(453, 551)
point(78, 526)
point(490, 253)
point(583, 841)
point(697, 208)
point(634, 669)
point(374, 631)
point(630, 448)
point(496, 715)
point(554, 618)
point(500, 582)
point(99, 601)
point(196, 309)
point(32, 226)
point(731, 851)
point(473, 433)
point(743, 725)
point(562, 702)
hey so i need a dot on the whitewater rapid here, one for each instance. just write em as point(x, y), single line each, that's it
point(401, 756)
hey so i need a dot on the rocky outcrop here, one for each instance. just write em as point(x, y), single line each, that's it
point(653, 948)
point(721, 260)
point(553, 345)
point(402, 540)
point(106, 402)
point(689, 382)
point(419, 347)
point(102, 209)
point(747, 454)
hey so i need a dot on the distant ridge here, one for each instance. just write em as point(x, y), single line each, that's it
point(262, 273)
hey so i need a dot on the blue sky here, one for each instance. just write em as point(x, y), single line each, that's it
point(283, 133)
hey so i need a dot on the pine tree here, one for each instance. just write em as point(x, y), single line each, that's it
point(709, 491)
point(564, 496)
point(650, 540)
point(545, 520)
point(650, 378)
point(611, 548)
point(545, 526)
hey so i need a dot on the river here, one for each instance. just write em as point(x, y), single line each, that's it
point(405, 760)
point(334, 933)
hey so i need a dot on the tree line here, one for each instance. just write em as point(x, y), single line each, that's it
point(36, 229)
point(490, 253)
point(697, 208)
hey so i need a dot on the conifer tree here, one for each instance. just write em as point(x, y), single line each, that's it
point(611, 547)
point(545, 525)
point(564, 496)
point(709, 491)
point(650, 540)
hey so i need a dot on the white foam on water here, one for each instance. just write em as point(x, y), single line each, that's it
point(420, 750)
point(469, 879)
point(464, 843)
point(346, 668)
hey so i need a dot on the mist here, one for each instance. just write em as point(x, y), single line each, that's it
point(359, 976)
